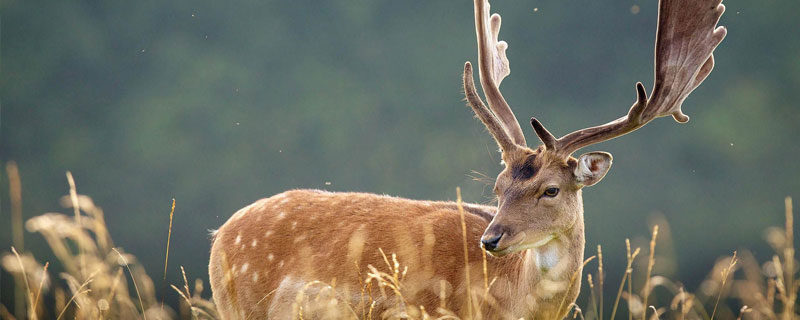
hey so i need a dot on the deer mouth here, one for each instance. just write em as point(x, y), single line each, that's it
point(524, 246)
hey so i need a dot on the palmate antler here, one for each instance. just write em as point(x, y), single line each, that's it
point(686, 38)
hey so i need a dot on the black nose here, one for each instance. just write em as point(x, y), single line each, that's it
point(491, 243)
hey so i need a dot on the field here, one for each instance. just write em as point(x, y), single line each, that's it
point(173, 115)
point(103, 281)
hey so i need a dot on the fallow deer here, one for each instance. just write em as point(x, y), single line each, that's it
point(276, 253)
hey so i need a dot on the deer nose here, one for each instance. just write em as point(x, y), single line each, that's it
point(490, 242)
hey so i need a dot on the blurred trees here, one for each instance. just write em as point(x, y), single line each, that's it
point(219, 104)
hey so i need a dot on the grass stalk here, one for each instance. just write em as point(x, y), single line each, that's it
point(78, 291)
point(683, 309)
point(788, 258)
point(622, 283)
point(725, 273)
point(28, 292)
point(39, 291)
point(655, 311)
point(70, 302)
point(166, 257)
point(600, 279)
point(133, 279)
point(651, 261)
point(17, 236)
point(485, 276)
point(630, 294)
point(572, 279)
point(466, 251)
point(112, 293)
point(76, 207)
point(15, 194)
point(592, 295)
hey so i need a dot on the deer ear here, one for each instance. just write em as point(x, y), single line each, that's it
point(592, 167)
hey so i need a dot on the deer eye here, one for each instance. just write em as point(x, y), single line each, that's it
point(551, 192)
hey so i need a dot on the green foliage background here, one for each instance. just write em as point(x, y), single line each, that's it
point(217, 104)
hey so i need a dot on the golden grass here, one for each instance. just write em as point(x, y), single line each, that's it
point(94, 274)
point(166, 255)
point(98, 276)
point(470, 310)
point(15, 195)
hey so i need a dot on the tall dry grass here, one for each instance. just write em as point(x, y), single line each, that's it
point(102, 281)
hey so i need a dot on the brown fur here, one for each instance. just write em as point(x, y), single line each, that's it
point(307, 235)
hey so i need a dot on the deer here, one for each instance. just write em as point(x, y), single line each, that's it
point(274, 256)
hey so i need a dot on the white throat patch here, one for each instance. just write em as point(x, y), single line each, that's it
point(548, 259)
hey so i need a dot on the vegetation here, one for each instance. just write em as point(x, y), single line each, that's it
point(217, 104)
point(102, 281)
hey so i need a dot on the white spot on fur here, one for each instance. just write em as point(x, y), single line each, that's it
point(270, 257)
point(238, 239)
point(546, 260)
point(280, 264)
point(280, 215)
point(244, 267)
point(548, 288)
point(355, 246)
point(299, 239)
point(254, 243)
point(284, 201)
point(553, 265)
point(294, 225)
point(268, 233)
point(255, 276)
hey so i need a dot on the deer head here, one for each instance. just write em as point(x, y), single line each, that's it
point(539, 190)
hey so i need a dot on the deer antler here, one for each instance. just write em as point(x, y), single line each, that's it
point(685, 41)
point(489, 120)
point(493, 67)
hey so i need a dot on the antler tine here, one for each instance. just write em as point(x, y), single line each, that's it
point(685, 42)
point(547, 138)
point(493, 68)
point(489, 120)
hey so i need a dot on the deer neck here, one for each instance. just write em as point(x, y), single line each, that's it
point(548, 270)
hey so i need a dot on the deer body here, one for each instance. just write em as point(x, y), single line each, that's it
point(332, 255)
point(275, 247)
